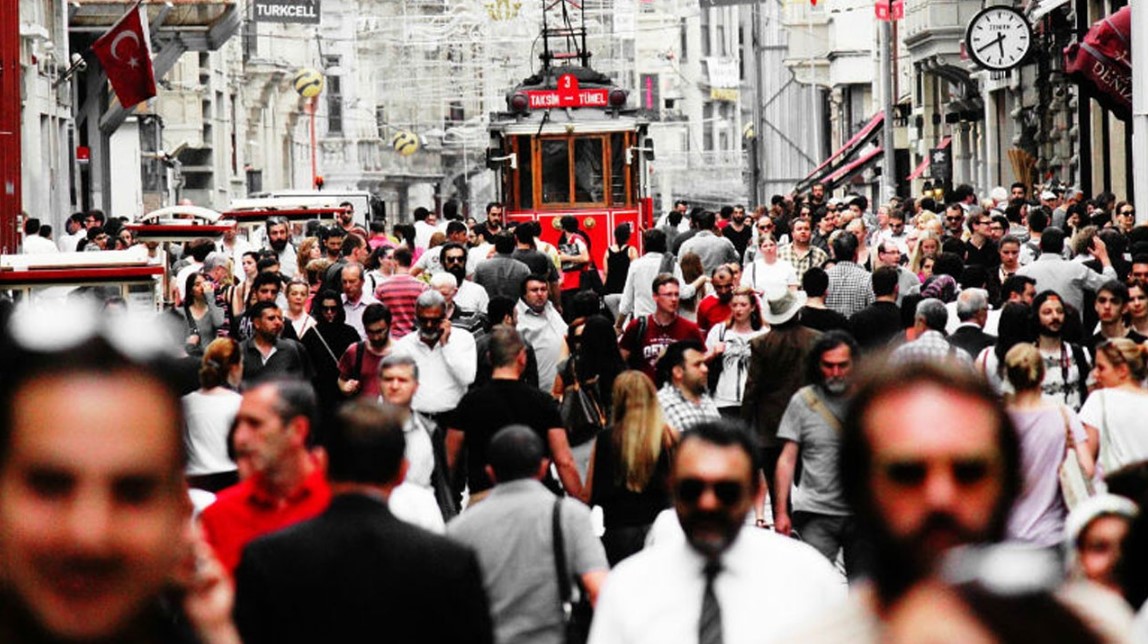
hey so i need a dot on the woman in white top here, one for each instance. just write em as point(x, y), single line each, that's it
point(766, 270)
point(728, 345)
point(298, 291)
point(1117, 412)
point(1042, 425)
point(208, 415)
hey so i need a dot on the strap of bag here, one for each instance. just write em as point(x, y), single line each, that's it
point(360, 348)
point(815, 403)
point(326, 346)
point(564, 591)
point(1069, 441)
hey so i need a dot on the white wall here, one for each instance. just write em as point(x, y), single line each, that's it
point(127, 185)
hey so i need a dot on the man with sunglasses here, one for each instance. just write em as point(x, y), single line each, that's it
point(811, 429)
point(722, 580)
point(919, 489)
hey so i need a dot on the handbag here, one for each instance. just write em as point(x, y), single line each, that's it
point(1074, 486)
point(580, 410)
point(577, 612)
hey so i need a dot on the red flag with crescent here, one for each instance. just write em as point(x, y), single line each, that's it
point(125, 53)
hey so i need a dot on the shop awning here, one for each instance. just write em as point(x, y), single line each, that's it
point(1101, 63)
point(841, 156)
point(924, 165)
point(842, 174)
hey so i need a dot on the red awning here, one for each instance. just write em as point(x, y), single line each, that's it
point(1101, 63)
point(841, 174)
point(834, 161)
point(924, 165)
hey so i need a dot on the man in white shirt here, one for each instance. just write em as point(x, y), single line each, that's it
point(75, 231)
point(446, 357)
point(34, 243)
point(740, 584)
point(355, 298)
point(542, 326)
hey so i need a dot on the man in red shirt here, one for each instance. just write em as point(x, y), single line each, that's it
point(714, 308)
point(399, 293)
point(646, 338)
point(281, 480)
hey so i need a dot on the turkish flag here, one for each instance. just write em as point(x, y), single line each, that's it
point(125, 53)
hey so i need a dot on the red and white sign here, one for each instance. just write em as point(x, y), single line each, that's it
point(568, 94)
point(125, 53)
point(889, 10)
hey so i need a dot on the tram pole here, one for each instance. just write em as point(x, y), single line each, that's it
point(889, 171)
point(10, 165)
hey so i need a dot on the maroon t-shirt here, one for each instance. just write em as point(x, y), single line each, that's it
point(645, 351)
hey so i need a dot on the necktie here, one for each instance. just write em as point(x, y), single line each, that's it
point(709, 626)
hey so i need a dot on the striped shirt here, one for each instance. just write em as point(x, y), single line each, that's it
point(399, 294)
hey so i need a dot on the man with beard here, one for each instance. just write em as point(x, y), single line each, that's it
point(470, 297)
point(722, 582)
point(359, 365)
point(494, 218)
point(920, 489)
point(1065, 363)
point(431, 262)
point(279, 240)
point(811, 430)
point(683, 396)
point(714, 308)
point(737, 231)
point(800, 252)
point(267, 356)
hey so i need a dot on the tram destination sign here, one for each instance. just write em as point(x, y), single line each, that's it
point(568, 94)
point(305, 12)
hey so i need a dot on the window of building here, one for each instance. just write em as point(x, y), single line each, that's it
point(334, 94)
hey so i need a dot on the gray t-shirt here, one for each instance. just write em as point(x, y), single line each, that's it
point(511, 532)
point(820, 489)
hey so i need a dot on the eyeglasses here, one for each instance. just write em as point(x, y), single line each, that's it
point(765, 228)
point(910, 473)
point(727, 492)
point(951, 218)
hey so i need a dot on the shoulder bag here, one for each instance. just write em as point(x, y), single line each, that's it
point(1074, 486)
point(577, 612)
point(581, 411)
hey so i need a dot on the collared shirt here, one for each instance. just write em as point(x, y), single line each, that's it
point(638, 293)
point(287, 359)
point(930, 346)
point(511, 532)
point(1068, 279)
point(850, 288)
point(681, 414)
point(768, 586)
point(546, 332)
point(471, 297)
point(419, 450)
point(354, 311)
point(445, 372)
point(813, 257)
point(243, 512)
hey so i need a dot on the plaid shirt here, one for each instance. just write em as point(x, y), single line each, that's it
point(814, 257)
point(930, 346)
point(850, 288)
point(682, 414)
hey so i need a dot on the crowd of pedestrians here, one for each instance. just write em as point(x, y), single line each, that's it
point(809, 421)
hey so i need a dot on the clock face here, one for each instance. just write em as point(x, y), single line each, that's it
point(998, 38)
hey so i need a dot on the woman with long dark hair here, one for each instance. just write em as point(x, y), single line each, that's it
point(204, 317)
point(593, 364)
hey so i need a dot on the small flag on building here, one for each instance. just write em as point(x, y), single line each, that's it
point(125, 53)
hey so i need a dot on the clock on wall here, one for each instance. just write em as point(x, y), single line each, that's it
point(998, 38)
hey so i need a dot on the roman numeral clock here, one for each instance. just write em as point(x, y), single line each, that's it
point(998, 38)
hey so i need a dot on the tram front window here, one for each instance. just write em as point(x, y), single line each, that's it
point(588, 187)
point(555, 171)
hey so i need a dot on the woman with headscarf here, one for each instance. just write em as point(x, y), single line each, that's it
point(325, 342)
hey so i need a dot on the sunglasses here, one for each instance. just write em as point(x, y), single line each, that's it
point(429, 321)
point(326, 309)
point(727, 492)
point(966, 472)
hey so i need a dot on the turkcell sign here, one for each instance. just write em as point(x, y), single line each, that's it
point(543, 99)
point(304, 12)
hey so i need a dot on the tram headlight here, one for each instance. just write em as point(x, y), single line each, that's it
point(519, 102)
point(618, 98)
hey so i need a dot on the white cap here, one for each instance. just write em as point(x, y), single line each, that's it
point(1047, 196)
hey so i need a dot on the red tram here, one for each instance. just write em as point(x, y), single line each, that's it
point(568, 145)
